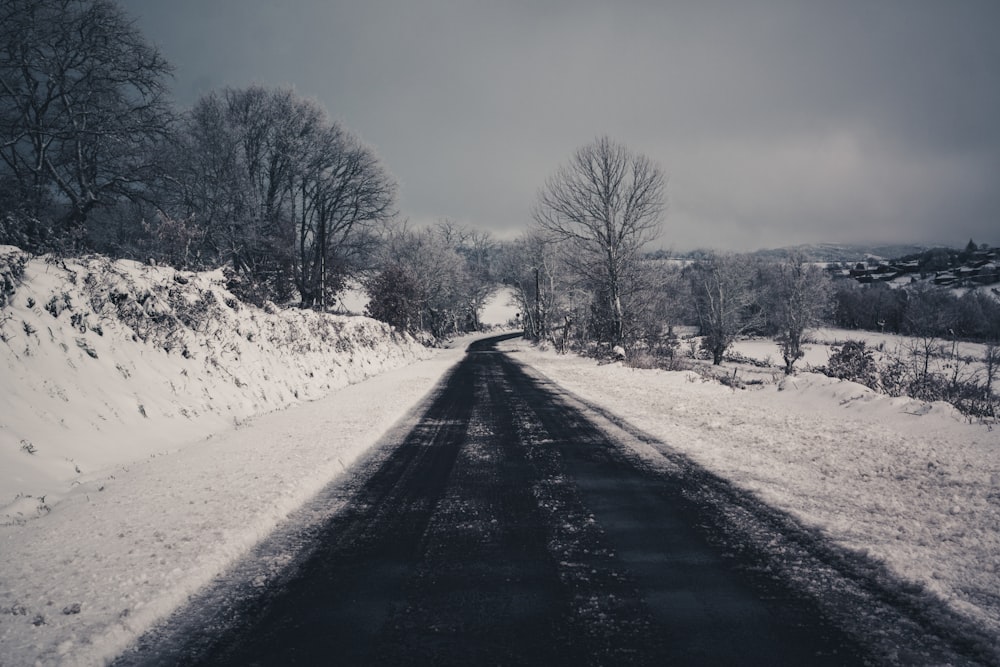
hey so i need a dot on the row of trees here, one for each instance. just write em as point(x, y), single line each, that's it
point(581, 278)
point(94, 155)
point(262, 181)
point(919, 309)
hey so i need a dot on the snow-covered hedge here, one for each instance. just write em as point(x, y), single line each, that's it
point(107, 361)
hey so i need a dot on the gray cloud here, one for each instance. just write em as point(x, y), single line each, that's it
point(779, 122)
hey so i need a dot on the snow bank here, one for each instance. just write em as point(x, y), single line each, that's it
point(911, 484)
point(153, 429)
point(106, 362)
point(120, 553)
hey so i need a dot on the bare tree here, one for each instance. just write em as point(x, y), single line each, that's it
point(662, 302)
point(479, 250)
point(206, 183)
point(725, 299)
point(799, 296)
point(529, 265)
point(342, 189)
point(604, 205)
point(83, 101)
point(991, 363)
point(284, 195)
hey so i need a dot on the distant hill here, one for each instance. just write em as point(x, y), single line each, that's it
point(817, 252)
point(839, 252)
point(973, 266)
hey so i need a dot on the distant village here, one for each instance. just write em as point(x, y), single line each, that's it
point(972, 267)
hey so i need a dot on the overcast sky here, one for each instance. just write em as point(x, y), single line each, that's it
point(777, 122)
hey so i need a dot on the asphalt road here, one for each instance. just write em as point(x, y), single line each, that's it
point(508, 528)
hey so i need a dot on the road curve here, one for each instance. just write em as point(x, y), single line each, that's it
point(507, 528)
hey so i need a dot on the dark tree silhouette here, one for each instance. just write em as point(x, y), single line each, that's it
point(83, 102)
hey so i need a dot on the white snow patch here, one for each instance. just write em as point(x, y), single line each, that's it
point(500, 310)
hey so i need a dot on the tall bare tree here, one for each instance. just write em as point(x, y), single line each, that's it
point(604, 205)
point(342, 190)
point(799, 295)
point(481, 254)
point(725, 299)
point(82, 99)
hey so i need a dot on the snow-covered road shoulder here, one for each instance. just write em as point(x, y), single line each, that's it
point(912, 485)
point(115, 556)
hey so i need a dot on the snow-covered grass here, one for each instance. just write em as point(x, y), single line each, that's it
point(954, 369)
point(820, 341)
point(122, 551)
point(911, 484)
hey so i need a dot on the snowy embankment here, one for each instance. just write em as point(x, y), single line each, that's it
point(107, 361)
point(153, 428)
point(913, 485)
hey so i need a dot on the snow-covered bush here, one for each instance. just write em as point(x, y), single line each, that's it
point(893, 376)
point(908, 371)
point(853, 361)
point(119, 351)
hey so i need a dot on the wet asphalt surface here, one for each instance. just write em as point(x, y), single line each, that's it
point(507, 528)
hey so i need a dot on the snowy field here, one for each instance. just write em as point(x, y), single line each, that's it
point(911, 484)
point(819, 342)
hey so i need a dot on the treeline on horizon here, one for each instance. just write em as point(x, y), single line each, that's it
point(95, 157)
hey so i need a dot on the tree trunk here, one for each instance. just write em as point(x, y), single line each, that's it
point(539, 308)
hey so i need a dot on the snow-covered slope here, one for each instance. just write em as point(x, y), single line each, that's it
point(108, 362)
